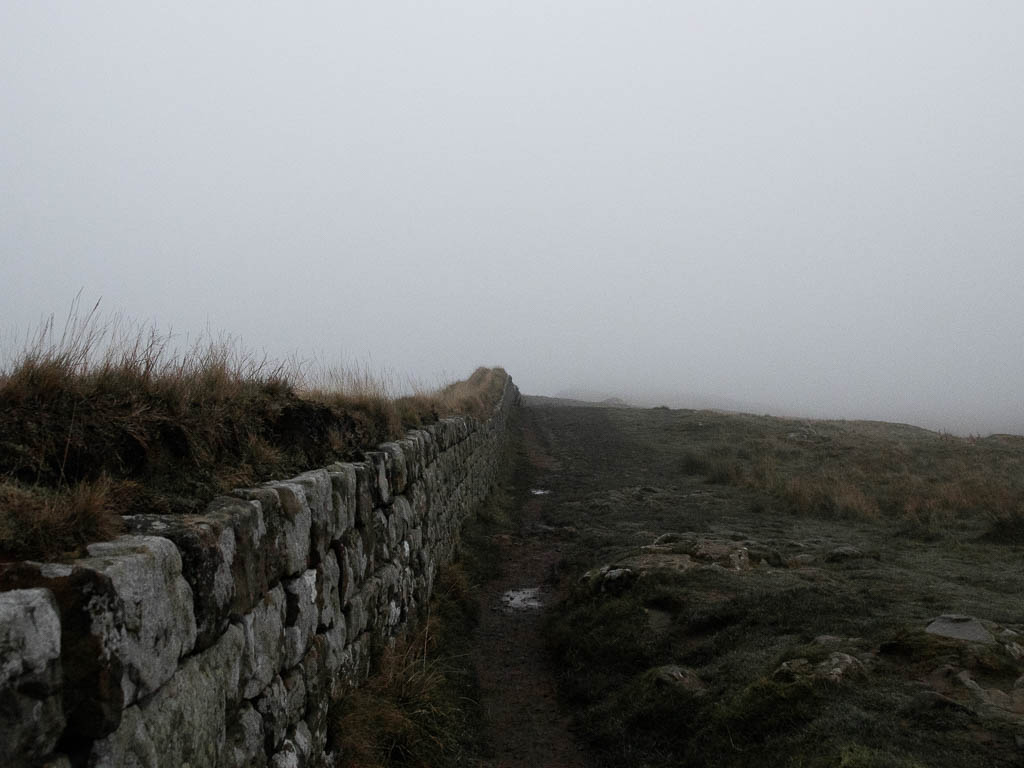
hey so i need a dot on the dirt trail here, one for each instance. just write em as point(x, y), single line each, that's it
point(526, 726)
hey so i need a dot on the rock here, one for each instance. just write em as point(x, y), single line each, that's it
point(160, 626)
point(960, 627)
point(272, 706)
point(281, 705)
point(92, 633)
point(399, 474)
point(380, 466)
point(263, 630)
point(183, 723)
point(343, 496)
point(301, 616)
point(31, 711)
point(294, 525)
point(328, 597)
point(244, 746)
point(841, 554)
point(207, 548)
point(838, 667)
point(793, 669)
point(674, 676)
point(319, 496)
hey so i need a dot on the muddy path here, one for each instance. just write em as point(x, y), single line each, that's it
point(525, 725)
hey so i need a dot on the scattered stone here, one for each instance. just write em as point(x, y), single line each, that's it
point(960, 627)
point(838, 667)
point(674, 676)
point(522, 599)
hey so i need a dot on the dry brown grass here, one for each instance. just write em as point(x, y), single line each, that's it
point(109, 404)
point(411, 712)
point(933, 484)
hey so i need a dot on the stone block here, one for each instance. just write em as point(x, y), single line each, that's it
point(328, 591)
point(380, 468)
point(364, 493)
point(343, 484)
point(245, 745)
point(263, 630)
point(159, 623)
point(301, 616)
point(31, 711)
point(397, 469)
point(295, 525)
point(206, 544)
point(183, 723)
point(319, 494)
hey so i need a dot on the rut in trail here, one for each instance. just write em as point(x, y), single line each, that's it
point(525, 724)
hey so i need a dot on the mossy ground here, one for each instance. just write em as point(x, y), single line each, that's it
point(626, 477)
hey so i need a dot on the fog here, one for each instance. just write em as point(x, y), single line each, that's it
point(799, 208)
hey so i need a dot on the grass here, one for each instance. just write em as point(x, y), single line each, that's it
point(103, 418)
point(919, 511)
point(932, 482)
point(415, 710)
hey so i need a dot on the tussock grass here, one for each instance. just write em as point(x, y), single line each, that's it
point(933, 483)
point(414, 710)
point(102, 417)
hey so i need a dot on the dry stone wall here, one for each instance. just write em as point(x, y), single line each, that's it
point(221, 639)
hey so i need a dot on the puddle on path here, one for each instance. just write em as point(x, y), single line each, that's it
point(527, 599)
point(539, 491)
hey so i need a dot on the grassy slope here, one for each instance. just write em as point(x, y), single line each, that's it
point(921, 510)
point(87, 436)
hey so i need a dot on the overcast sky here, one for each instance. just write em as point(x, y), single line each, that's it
point(811, 208)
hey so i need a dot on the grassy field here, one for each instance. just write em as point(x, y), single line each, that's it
point(751, 591)
point(102, 418)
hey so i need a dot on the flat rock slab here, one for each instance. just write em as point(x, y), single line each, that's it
point(960, 627)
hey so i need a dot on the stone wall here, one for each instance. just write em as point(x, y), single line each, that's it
point(220, 639)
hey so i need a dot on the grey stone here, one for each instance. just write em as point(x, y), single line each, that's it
point(328, 591)
point(960, 627)
point(323, 520)
point(295, 524)
point(355, 616)
point(301, 616)
point(245, 746)
point(31, 712)
point(380, 466)
point(287, 757)
point(364, 493)
point(92, 634)
point(272, 706)
point(398, 474)
point(343, 484)
point(159, 623)
point(263, 630)
point(183, 723)
point(206, 544)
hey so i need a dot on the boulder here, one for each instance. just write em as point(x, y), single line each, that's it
point(960, 627)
